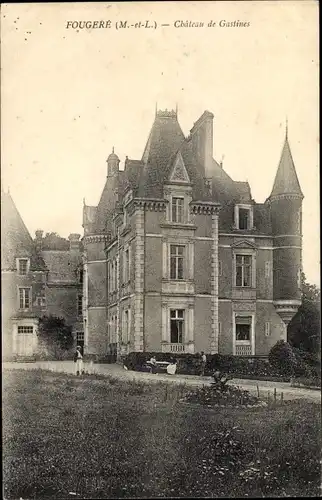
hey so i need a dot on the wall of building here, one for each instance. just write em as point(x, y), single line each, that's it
point(202, 324)
point(62, 302)
point(153, 264)
point(225, 318)
point(153, 323)
point(202, 263)
point(98, 342)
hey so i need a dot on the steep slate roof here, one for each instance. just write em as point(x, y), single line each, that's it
point(62, 265)
point(286, 181)
point(164, 140)
point(15, 237)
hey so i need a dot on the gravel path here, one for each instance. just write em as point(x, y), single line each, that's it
point(266, 388)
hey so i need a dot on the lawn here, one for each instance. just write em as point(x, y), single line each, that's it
point(97, 437)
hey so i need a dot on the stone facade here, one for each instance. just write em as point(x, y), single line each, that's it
point(190, 261)
point(38, 278)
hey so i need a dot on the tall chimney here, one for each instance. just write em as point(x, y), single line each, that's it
point(74, 242)
point(202, 137)
point(38, 240)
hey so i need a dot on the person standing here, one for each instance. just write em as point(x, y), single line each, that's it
point(203, 363)
point(78, 359)
point(153, 363)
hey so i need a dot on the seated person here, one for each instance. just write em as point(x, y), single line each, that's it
point(172, 368)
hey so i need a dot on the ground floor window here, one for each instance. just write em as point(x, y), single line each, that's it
point(25, 329)
point(243, 328)
point(243, 335)
point(177, 324)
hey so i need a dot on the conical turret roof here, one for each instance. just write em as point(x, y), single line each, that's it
point(286, 181)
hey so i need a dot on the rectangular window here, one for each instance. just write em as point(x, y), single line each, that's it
point(243, 328)
point(25, 329)
point(243, 218)
point(81, 276)
point(126, 265)
point(176, 262)
point(267, 269)
point(125, 327)
point(112, 277)
point(24, 298)
point(244, 270)
point(79, 305)
point(220, 268)
point(219, 328)
point(177, 209)
point(267, 329)
point(176, 326)
point(115, 278)
point(41, 301)
point(79, 337)
point(22, 266)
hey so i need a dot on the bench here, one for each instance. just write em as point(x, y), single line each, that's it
point(161, 366)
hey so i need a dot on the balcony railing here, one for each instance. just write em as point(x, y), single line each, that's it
point(243, 350)
point(175, 348)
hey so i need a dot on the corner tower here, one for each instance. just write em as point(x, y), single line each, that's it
point(286, 216)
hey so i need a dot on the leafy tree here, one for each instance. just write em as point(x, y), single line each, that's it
point(55, 333)
point(52, 241)
point(304, 330)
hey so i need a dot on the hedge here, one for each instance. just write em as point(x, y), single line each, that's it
point(190, 364)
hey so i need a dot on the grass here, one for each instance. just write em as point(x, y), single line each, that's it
point(100, 437)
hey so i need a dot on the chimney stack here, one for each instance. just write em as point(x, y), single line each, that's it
point(74, 242)
point(39, 235)
point(202, 137)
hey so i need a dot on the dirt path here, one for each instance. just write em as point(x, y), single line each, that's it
point(265, 388)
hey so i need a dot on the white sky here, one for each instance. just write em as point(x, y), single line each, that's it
point(68, 97)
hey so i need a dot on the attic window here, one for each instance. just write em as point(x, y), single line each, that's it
point(177, 209)
point(22, 266)
point(243, 217)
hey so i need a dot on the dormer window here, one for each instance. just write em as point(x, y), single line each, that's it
point(243, 217)
point(177, 209)
point(22, 266)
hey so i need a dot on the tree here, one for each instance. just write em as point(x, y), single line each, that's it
point(55, 334)
point(304, 330)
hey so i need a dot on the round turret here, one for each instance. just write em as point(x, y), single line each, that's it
point(113, 162)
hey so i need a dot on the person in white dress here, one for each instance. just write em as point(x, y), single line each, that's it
point(78, 359)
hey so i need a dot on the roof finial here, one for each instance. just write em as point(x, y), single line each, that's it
point(113, 149)
point(84, 202)
point(156, 109)
point(286, 128)
point(176, 109)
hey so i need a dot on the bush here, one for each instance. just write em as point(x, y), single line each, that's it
point(282, 357)
point(190, 364)
point(105, 359)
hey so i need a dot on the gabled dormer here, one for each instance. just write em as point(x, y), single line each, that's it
point(178, 192)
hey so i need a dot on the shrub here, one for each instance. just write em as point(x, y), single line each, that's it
point(282, 357)
point(190, 364)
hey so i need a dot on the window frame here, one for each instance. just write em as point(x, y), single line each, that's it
point(80, 297)
point(24, 308)
point(250, 221)
point(179, 320)
point(251, 342)
point(179, 209)
point(177, 258)
point(242, 266)
point(25, 259)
